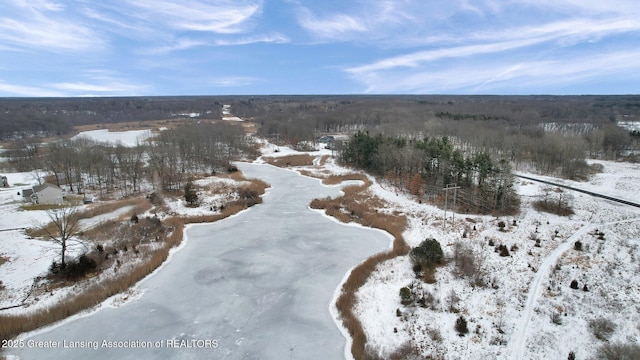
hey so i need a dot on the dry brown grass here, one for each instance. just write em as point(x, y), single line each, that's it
point(40, 207)
point(290, 160)
point(360, 206)
point(323, 159)
point(13, 325)
point(337, 179)
point(139, 204)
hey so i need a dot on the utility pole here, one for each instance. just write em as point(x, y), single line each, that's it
point(446, 189)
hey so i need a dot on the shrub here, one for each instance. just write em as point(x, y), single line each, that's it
point(574, 284)
point(572, 356)
point(602, 328)
point(503, 250)
point(427, 254)
point(501, 225)
point(577, 246)
point(405, 295)
point(461, 326)
point(434, 334)
point(417, 269)
point(74, 269)
point(618, 351)
point(134, 219)
point(405, 351)
point(556, 318)
point(190, 194)
point(156, 199)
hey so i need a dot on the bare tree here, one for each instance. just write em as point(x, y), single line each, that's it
point(64, 225)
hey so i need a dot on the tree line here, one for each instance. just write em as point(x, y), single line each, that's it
point(427, 165)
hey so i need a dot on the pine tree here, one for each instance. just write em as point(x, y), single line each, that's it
point(190, 194)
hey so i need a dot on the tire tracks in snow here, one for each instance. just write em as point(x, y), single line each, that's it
point(518, 341)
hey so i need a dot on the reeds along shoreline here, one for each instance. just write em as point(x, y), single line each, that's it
point(359, 206)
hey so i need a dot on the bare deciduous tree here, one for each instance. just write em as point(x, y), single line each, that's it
point(64, 225)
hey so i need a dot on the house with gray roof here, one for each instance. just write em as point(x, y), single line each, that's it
point(46, 194)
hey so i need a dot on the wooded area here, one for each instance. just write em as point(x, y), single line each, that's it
point(166, 163)
point(443, 139)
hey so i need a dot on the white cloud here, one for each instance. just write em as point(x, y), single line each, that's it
point(224, 17)
point(187, 43)
point(91, 83)
point(563, 33)
point(108, 88)
point(234, 81)
point(332, 26)
point(43, 25)
point(503, 75)
point(359, 21)
point(38, 5)
point(28, 91)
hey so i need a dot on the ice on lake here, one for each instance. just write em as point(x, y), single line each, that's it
point(254, 286)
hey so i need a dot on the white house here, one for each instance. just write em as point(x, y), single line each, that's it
point(46, 194)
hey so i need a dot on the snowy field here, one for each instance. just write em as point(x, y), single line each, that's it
point(511, 318)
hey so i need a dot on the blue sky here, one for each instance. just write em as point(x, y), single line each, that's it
point(220, 47)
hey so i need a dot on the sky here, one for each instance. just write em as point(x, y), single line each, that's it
point(55, 48)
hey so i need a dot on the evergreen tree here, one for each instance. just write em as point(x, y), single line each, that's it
point(190, 194)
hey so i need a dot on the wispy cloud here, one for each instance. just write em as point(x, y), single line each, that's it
point(221, 16)
point(188, 43)
point(564, 33)
point(503, 75)
point(359, 21)
point(332, 26)
point(89, 83)
point(44, 25)
point(497, 56)
point(106, 88)
point(28, 91)
point(234, 81)
point(38, 5)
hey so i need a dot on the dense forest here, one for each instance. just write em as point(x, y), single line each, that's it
point(300, 116)
point(426, 166)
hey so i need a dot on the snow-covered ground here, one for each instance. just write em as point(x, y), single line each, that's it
point(510, 318)
point(630, 125)
point(126, 138)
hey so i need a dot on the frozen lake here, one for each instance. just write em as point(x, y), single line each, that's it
point(254, 286)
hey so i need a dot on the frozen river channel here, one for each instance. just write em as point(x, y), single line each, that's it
point(254, 286)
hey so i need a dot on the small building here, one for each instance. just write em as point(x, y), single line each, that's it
point(328, 140)
point(26, 194)
point(46, 194)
